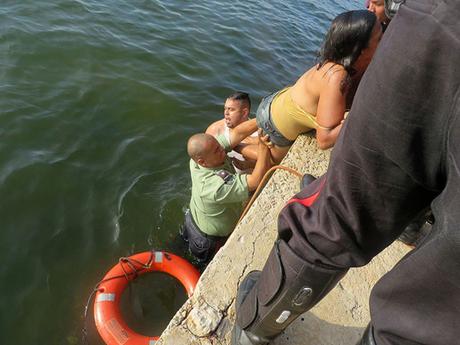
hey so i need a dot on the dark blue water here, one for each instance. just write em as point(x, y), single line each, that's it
point(97, 100)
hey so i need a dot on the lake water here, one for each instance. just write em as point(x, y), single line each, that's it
point(97, 101)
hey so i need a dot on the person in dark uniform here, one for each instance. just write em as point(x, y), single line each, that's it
point(421, 225)
point(218, 192)
point(398, 153)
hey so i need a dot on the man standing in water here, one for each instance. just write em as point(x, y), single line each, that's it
point(398, 153)
point(218, 192)
point(237, 108)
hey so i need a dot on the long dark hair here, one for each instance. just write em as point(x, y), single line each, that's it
point(348, 35)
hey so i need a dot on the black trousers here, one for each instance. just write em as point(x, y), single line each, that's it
point(202, 246)
point(398, 153)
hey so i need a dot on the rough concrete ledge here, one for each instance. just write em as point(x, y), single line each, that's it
point(207, 317)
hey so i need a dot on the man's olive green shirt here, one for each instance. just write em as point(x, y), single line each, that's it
point(217, 195)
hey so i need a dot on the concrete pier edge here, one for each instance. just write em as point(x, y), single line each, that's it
point(340, 318)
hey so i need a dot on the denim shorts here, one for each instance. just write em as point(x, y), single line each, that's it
point(264, 121)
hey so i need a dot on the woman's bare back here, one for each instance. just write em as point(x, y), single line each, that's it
point(307, 90)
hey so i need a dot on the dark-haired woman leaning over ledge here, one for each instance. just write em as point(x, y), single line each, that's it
point(320, 97)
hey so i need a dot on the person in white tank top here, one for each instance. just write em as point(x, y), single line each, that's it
point(236, 110)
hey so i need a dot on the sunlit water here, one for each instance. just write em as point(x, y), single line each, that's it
point(97, 101)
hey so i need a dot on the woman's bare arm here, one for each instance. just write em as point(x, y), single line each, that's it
point(331, 109)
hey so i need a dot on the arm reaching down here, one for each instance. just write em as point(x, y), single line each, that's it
point(240, 132)
point(263, 162)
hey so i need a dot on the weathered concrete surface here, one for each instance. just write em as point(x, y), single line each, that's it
point(207, 317)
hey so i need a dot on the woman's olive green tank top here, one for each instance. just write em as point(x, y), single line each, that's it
point(290, 119)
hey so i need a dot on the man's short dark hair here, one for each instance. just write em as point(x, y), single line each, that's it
point(243, 97)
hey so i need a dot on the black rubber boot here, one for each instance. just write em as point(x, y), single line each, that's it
point(306, 180)
point(287, 287)
point(368, 336)
point(238, 338)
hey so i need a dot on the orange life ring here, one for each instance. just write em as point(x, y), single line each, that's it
point(109, 322)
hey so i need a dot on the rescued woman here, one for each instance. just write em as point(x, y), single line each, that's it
point(320, 97)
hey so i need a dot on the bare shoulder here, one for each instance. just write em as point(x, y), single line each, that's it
point(332, 73)
point(316, 79)
point(216, 128)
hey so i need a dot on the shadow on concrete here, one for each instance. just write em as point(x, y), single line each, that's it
point(310, 330)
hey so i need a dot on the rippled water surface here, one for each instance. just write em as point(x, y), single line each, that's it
point(97, 101)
